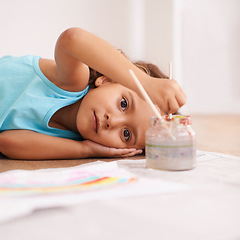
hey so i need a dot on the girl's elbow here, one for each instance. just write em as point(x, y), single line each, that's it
point(69, 36)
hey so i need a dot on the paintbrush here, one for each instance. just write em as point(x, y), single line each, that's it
point(149, 101)
point(145, 95)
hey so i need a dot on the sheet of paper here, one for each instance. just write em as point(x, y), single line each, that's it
point(23, 191)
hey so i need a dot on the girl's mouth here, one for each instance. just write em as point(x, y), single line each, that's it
point(95, 121)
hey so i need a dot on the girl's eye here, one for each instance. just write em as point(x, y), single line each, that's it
point(123, 104)
point(126, 134)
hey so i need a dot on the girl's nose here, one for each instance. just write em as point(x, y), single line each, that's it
point(113, 120)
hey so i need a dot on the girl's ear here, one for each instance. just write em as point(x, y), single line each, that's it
point(102, 80)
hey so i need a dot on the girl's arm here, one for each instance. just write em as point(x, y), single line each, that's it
point(25, 144)
point(76, 49)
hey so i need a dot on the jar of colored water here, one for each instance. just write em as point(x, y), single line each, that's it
point(171, 143)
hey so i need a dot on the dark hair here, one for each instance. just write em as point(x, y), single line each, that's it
point(148, 68)
point(93, 76)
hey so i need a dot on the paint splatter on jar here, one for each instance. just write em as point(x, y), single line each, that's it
point(171, 144)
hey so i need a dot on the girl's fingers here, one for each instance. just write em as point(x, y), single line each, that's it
point(176, 102)
point(173, 106)
point(133, 153)
point(99, 150)
point(181, 98)
point(125, 152)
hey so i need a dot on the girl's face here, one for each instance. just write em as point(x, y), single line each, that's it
point(114, 116)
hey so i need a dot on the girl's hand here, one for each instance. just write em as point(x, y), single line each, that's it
point(166, 94)
point(98, 150)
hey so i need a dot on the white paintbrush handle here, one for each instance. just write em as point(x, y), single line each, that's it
point(170, 77)
point(145, 95)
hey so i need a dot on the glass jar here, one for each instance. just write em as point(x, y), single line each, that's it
point(171, 144)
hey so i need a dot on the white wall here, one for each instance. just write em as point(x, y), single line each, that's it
point(32, 26)
point(201, 37)
point(207, 53)
point(159, 33)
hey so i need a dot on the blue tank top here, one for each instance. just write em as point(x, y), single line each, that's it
point(28, 99)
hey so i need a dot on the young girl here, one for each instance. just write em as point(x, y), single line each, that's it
point(47, 106)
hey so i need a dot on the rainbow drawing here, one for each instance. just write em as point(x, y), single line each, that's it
point(61, 182)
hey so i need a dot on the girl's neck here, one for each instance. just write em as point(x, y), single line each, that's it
point(65, 118)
